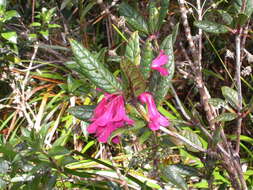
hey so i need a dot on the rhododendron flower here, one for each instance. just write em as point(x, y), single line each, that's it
point(159, 61)
point(108, 116)
point(155, 118)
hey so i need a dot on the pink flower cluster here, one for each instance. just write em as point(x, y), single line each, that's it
point(110, 114)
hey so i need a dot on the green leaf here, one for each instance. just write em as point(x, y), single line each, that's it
point(82, 112)
point(34, 24)
point(10, 14)
point(184, 169)
point(133, 49)
point(58, 151)
point(240, 19)
point(10, 36)
point(211, 27)
point(2, 6)
point(173, 176)
point(153, 17)
point(217, 103)
point(73, 84)
point(133, 18)
point(231, 96)
point(54, 26)
point(163, 12)
point(136, 81)
point(174, 33)
point(163, 82)
point(248, 8)
point(225, 117)
point(226, 17)
point(145, 136)
point(117, 132)
point(193, 137)
point(96, 72)
point(146, 60)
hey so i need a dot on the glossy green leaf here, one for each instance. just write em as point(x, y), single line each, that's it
point(217, 103)
point(226, 117)
point(10, 14)
point(133, 50)
point(248, 8)
point(163, 12)
point(184, 169)
point(193, 137)
point(82, 112)
point(146, 60)
point(173, 176)
point(226, 17)
point(153, 17)
point(136, 81)
point(230, 95)
point(211, 27)
point(162, 84)
point(96, 72)
point(10, 36)
point(133, 18)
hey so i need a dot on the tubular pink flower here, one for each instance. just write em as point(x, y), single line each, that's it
point(155, 118)
point(108, 116)
point(159, 61)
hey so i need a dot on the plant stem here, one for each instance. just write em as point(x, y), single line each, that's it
point(239, 89)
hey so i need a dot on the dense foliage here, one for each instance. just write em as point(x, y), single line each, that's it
point(121, 94)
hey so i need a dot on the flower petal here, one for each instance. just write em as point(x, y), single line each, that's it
point(159, 61)
point(155, 118)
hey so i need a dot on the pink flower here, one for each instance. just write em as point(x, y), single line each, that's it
point(108, 116)
point(159, 61)
point(155, 118)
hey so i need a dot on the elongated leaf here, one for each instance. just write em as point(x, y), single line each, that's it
point(168, 174)
point(133, 50)
point(153, 17)
point(10, 36)
point(211, 27)
point(93, 70)
point(82, 112)
point(58, 151)
point(146, 60)
point(175, 32)
point(226, 117)
point(162, 84)
point(163, 12)
point(230, 95)
point(193, 137)
point(217, 103)
point(136, 81)
point(133, 18)
point(184, 170)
